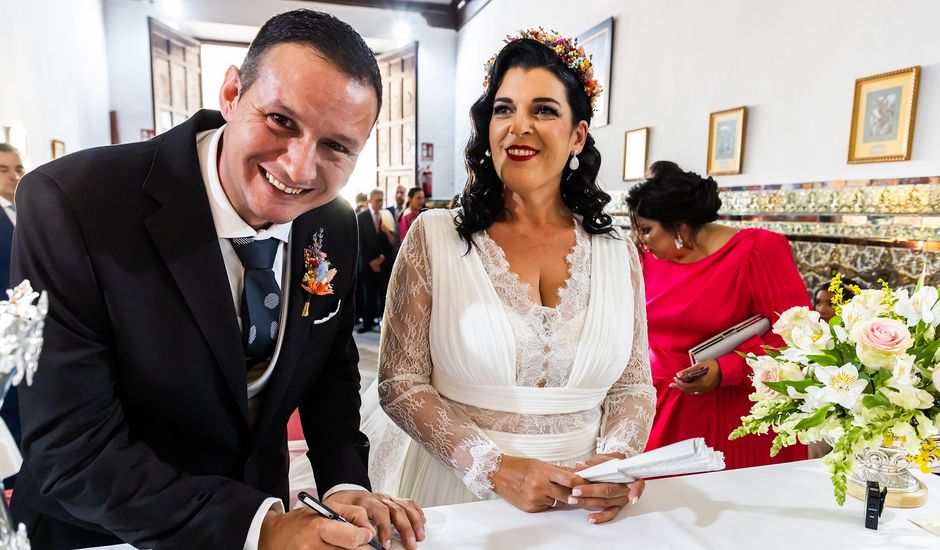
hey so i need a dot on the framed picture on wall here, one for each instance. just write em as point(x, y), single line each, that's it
point(58, 149)
point(726, 133)
point(883, 113)
point(635, 148)
point(598, 42)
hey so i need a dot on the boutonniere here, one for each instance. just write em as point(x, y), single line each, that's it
point(319, 273)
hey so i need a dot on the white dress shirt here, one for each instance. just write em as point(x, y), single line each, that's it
point(8, 209)
point(229, 225)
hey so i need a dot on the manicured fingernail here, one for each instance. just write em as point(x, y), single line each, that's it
point(576, 492)
point(592, 519)
point(388, 544)
point(572, 500)
point(421, 532)
point(633, 500)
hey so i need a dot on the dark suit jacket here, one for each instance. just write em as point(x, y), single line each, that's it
point(373, 244)
point(6, 244)
point(136, 423)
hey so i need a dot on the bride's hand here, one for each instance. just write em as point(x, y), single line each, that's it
point(532, 485)
point(609, 497)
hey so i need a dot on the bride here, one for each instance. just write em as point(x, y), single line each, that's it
point(514, 350)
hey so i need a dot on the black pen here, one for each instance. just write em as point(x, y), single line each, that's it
point(324, 511)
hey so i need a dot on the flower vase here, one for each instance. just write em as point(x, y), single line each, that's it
point(889, 466)
point(11, 537)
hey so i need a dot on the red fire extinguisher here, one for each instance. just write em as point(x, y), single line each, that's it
point(427, 181)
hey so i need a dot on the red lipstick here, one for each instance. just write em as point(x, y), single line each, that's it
point(530, 152)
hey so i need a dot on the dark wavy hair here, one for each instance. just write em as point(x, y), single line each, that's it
point(672, 196)
point(482, 198)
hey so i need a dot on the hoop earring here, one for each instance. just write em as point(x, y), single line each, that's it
point(574, 163)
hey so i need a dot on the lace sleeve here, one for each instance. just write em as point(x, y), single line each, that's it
point(405, 368)
point(631, 402)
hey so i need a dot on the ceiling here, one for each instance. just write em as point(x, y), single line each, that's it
point(448, 14)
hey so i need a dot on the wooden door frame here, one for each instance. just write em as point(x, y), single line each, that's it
point(380, 58)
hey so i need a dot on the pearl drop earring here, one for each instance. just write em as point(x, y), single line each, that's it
point(574, 163)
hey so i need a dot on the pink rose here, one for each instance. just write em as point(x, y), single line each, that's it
point(770, 374)
point(885, 335)
point(880, 341)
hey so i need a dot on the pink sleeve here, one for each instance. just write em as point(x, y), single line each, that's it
point(775, 285)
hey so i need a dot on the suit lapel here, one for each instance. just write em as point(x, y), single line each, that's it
point(184, 234)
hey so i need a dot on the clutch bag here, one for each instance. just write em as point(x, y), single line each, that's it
point(727, 341)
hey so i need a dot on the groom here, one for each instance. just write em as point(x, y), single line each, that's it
point(180, 338)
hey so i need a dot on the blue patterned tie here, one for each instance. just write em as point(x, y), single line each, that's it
point(261, 297)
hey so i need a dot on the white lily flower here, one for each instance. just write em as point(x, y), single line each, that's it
point(901, 388)
point(812, 337)
point(842, 385)
point(922, 306)
point(811, 399)
point(866, 305)
point(793, 318)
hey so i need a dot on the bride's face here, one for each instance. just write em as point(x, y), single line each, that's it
point(532, 133)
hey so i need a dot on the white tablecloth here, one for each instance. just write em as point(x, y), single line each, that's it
point(787, 506)
point(783, 506)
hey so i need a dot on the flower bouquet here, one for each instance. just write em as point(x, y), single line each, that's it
point(866, 379)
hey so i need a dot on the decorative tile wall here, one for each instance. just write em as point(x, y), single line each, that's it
point(864, 229)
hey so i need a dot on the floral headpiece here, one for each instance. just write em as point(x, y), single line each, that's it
point(571, 54)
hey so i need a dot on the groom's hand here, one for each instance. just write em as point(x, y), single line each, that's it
point(385, 511)
point(304, 529)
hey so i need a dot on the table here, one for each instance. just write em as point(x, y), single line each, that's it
point(782, 506)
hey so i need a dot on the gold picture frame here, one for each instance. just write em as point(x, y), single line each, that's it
point(635, 149)
point(58, 149)
point(727, 131)
point(883, 111)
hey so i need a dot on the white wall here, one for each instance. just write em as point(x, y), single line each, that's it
point(129, 58)
point(56, 89)
point(792, 63)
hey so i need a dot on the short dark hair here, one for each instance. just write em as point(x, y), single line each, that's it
point(672, 196)
point(414, 191)
point(7, 148)
point(339, 43)
point(482, 199)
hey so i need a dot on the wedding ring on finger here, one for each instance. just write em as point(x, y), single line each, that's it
point(554, 503)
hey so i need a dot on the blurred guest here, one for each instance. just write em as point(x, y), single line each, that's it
point(376, 255)
point(702, 278)
point(398, 208)
point(415, 206)
point(11, 170)
point(822, 299)
point(362, 202)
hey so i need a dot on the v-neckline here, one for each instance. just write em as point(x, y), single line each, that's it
point(524, 287)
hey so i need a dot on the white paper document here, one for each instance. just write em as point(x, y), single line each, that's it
point(685, 457)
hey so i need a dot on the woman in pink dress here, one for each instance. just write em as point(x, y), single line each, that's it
point(414, 207)
point(702, 278)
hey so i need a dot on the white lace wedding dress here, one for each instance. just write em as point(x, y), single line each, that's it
point(471, 368)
